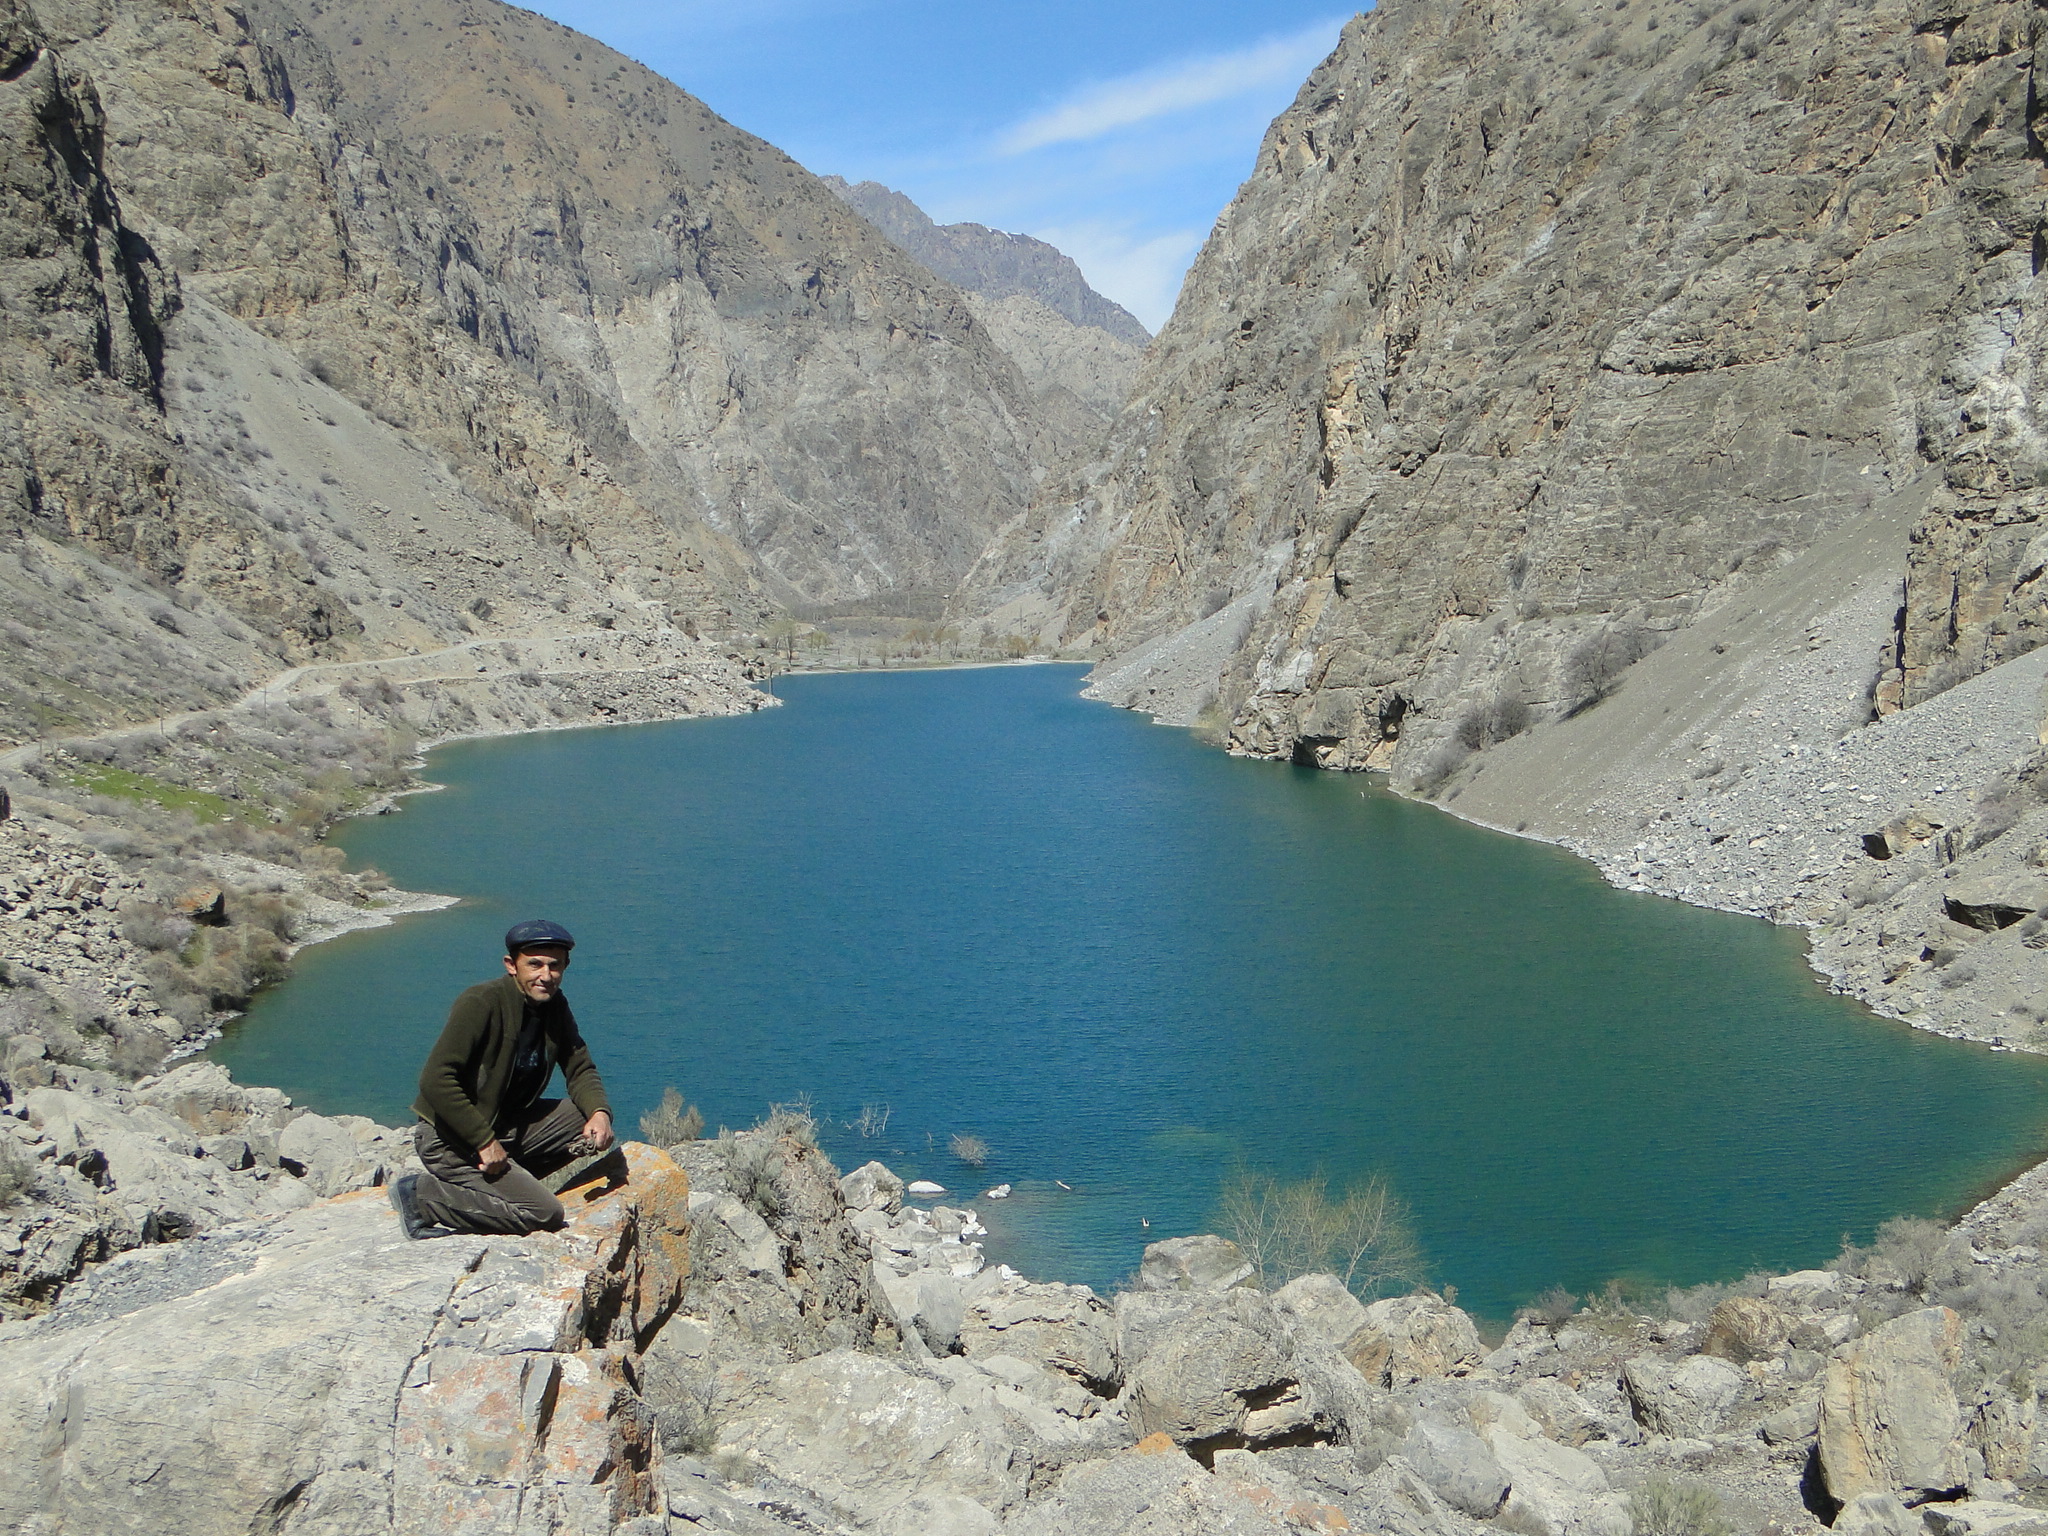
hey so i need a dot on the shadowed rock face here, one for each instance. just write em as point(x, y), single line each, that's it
point(1535, 331)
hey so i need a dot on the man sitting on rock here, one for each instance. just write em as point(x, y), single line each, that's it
point(485, 1132)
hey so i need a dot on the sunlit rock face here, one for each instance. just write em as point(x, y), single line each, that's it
point(1537, 331)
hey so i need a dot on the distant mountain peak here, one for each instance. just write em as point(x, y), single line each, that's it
point(990, 262)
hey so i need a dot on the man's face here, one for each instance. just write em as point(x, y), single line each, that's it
point(538, 971)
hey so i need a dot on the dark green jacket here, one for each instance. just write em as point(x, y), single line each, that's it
point(465, 1077)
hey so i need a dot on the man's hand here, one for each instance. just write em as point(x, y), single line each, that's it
point(597, 1131)
point(493, 1158)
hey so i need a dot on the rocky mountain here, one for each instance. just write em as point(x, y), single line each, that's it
point(1541, 338)
point(337, 332)
point(1077, 349)
point(991, 262)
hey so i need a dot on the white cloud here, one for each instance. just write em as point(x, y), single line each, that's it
point(1175, 87)
point(1141, 271)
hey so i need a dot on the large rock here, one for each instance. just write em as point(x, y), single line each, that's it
point(1553, 1490)
point(1229, 1370)
point(1995, 901)
point(1687, 1400)
point(1206, 1263)
point(1889, 1419)
point(1157, 1491)
point(1412, 1338)
point(1324, 1305)
point(321, 1373)
point(868, 1434)
point(1066, 1327)
point(1457, 1466)
point(328, 1155)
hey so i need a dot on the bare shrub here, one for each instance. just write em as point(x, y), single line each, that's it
point(1997, 814)
point(753, 1170)
point(971, 1150)
point(1668, 1506)
point(672, 1121)
point(137, 1052)
point(1445, 759)
point(872, 1121)
point(154, 928)
point(1593, 668)
point(1907, 1253)
point(1286, 1230)
point(1551, 1309)
point(794, 1119)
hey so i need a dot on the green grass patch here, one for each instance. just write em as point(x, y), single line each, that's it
point(120, 784)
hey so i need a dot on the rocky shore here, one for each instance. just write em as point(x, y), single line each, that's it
point(731, 1336)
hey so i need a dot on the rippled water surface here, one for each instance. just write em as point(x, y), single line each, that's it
point(1129, 962)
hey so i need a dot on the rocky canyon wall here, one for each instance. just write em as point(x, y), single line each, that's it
point(1538, 328)
point(338, 333)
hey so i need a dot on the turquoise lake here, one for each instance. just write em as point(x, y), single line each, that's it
point(1131, 963)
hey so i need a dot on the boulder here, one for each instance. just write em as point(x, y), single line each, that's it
point(1683, 1401)
point(1553, 1490)
point(1889, 1420)
point(327, 1155)
point(1066, 1327)
point(1805, 1290)
point(925, 1187)
point(1743, 1328)
point(1983, 1517)
point(926, 1302)
point(1563, 1414)
point(1877, 1514)
point(201, 1094)
point(1155, 1490)
point(206, 905)
point(1198, 1381)
point(866, 1434)
point(1323, 1305)
point(1413, 1338)
point(320, 1372)
point(1206, 1263)
point(1994, 901)
point(1457, 1466)
point(1789, 1426)
point(1229, 1370)
point(872, 1187)
point(2002, 1429)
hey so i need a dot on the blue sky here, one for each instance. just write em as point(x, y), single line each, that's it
point(1116, 130)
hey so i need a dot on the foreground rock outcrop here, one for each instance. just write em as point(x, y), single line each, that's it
point(319, 1372)
point(731, 1337)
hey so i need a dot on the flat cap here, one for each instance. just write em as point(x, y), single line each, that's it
point(534, 933)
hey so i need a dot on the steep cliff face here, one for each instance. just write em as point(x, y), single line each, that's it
point(1537, 330)
point(88, 471)
point(345, 332)
point(805, 388)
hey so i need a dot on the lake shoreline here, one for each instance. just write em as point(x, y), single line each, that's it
point(723, 1106)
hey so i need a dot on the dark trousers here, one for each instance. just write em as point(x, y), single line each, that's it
point(458, 1194)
